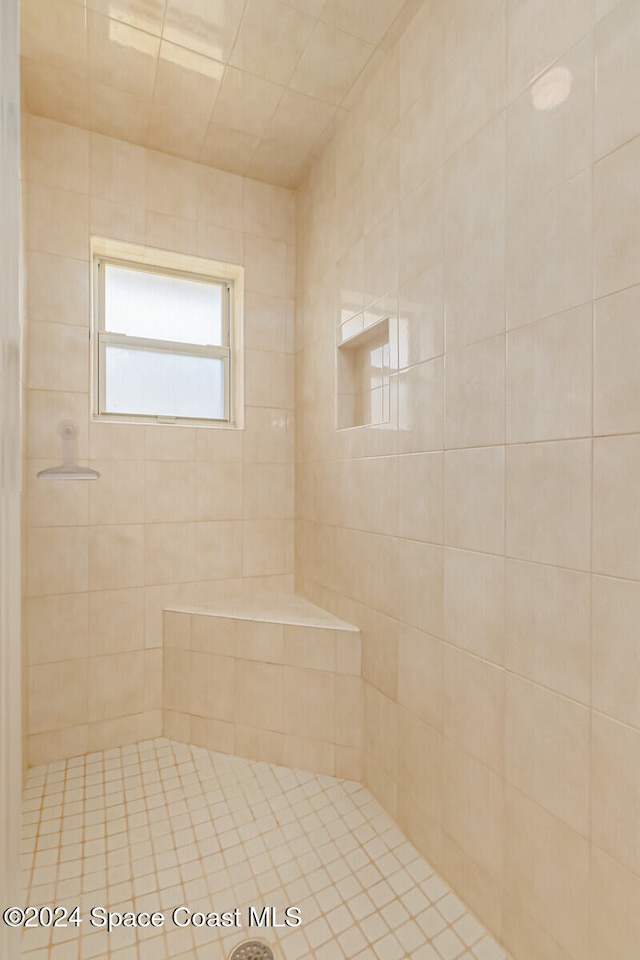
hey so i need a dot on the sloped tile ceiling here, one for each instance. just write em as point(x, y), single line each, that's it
point(250, 86)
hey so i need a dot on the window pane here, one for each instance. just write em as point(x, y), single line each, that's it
point(162, 308)
point(150, 383)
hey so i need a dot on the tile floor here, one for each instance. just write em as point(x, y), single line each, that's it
point(159, 824)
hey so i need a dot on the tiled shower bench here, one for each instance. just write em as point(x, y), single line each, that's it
point(275, 679)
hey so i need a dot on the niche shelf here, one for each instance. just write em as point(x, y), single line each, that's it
point(363, 370)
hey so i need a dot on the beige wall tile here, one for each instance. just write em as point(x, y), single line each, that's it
point(474, 279)
point(176, 691)
point(54, 504)
point(380, 652)
point(549, 503)
point(169, 491)
point(116, 685)
point(550, 127)
point(56, 627)
point(475, 186)
point(475, 394)
point(474, 707)
point(616, 507)
point(119, 494)
point(116, 621)
point(539, 32)
point(616, 234)
point(176, 630)
point(58, 221)
point(541, 906)
point(421, 318)
point(475, 74)
point(616, 353)
point(549, 379)
point(617, 114)
point(421, 227)
point(258, 640)
point(349, 711)
point(58, 744)
point(213, 635)
point(58, 695)
point(303, 754)
point(474, 499)
point(615, 781)
point(117, 170)
point(258, 695)
point(211, 686)
point(169, 550)
point(549, 253)
point(219, 550)
point(420, 392)
point(615, 901)
point(57, 560)
point(58, 357)
point(474, 590)
point(57, 155)
point(57, 289)
point(547, 627)
point(118, 221)
point(420, 675)
point(478, 828)
point(309, 703)
point(420, 497)
point(616, 685)
point(547, 750)
point(310, 647)
point(116, 556)
point(258, 744)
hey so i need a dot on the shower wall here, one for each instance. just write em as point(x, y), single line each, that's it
point(180, 515)
point(483, 194)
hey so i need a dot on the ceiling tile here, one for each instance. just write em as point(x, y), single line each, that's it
point(206, 26)
point(299, 121)
point(311, 7)
point(330, 64)
point(147, 15)
point(246, 103)
point(241, 85)
point(228, 149)
point(118, 114)
point(187, 78)
point(176, 131)
point(54, 32)
point(277, 163)
point(121, 56)
point(55, 93)
point(362, 18)
point(271, 39)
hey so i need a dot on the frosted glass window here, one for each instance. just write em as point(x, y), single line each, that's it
point(162, 307)
point(163, 343)
point(156, 384)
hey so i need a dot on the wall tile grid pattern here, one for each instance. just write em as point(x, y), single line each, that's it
point(158, 825)
point(280, 692)
point(486, 539)
point(179, 514)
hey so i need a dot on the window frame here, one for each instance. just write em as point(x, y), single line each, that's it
point(228, 277)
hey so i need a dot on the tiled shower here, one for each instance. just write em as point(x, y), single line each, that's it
point(376, 652)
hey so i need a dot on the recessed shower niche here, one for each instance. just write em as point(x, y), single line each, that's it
point(363, 367)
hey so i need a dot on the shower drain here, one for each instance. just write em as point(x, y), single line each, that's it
point(252, 950)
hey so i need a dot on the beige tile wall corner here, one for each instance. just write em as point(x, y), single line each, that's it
point(178, 514)
point(486, 539)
